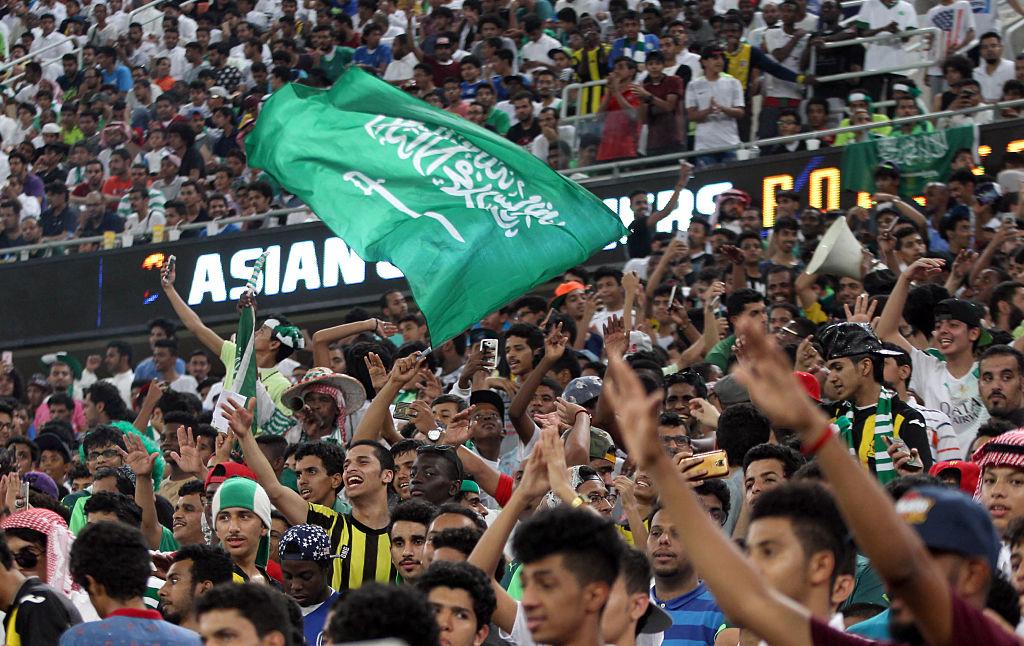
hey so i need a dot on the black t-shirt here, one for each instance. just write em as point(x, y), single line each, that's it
point(521, 135)
point(39, 615)
point(54, 224)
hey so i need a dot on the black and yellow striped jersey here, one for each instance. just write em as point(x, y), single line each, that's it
point(361, 554)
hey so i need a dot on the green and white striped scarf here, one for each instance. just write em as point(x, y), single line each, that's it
point(885, 470)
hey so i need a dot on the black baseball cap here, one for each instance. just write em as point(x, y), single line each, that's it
point(968, 313)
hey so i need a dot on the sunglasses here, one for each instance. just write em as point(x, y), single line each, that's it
point(26, 557)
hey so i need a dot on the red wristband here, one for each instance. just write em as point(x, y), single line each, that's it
point(818, 443)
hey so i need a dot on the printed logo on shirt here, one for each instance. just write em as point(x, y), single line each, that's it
point(964, 413)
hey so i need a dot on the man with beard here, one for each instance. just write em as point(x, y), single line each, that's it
point(1000, 385)
point(306, 565)
point(194, 570)
point(408, 533)
point(869, 416)
point(677, 589)
point(779, 285)
point(785, 234)
point(994, 70)
point(322, 400)
point(1006, 306)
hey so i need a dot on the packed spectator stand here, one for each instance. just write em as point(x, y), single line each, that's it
point(829, 378)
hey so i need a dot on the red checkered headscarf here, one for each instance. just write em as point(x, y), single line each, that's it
point(339, 400)
point(58, 544)
point(1006, 450)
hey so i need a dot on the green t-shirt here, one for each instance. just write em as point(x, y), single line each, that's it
point(498, 120)
point(336, 62)
point(720, 354)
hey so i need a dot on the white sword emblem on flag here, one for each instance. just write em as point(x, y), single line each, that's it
point(369, 186)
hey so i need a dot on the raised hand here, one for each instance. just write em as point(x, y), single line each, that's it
point(375, 367)
point(535, 475)
point(807, 357)
point(167, 275)
point(704, 412)
point(615, 338)
point(732, 254)
point(555, 343)
point(93, 362)
point(187, 457)
point(405, 368)
point(384, 329)
point(773, 388)
point(964, 262)
point(459, 430)
point(923, 268)
point(500, 383)
point(424, 417)
point(863, 311)
point(239, 420)
point(568, 411)
point(138, 459)
point(631, 282)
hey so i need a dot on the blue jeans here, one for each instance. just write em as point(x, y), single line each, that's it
point(713, 159)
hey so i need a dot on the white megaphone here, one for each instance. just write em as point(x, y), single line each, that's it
point(838, 253)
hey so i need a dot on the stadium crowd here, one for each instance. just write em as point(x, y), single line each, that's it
point(127, 121)
point(708, 445)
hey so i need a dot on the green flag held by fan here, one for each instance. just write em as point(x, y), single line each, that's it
point(471, 219)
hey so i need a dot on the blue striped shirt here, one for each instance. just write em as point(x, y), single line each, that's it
point(695, 617)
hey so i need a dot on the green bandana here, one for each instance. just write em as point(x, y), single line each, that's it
point(885, 471)
point(246, 494)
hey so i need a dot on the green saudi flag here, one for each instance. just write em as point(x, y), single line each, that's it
point(922, 158)
point(246, 373)
point(471, 219)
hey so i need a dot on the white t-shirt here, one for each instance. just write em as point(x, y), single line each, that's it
point(718, 129)
point(135, 227)
point(537, 51)
point(691, 60)
point(400, 69)
point(185, 384)
point(992, 84)
point(957, 398)
point(955, 20)
point(540, 147)
point(775, 39)
point(875, 14)
point(986, 16)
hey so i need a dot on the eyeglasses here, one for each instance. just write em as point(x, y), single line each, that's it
point(109, 454)
point(681, 440)
point(6, 426)
point(719, 515)
point(27, 557)
point(782, 122)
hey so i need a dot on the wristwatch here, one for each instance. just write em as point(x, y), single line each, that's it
point(434, 434)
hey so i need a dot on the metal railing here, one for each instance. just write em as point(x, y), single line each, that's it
point(23, 251)
point(930, 32)
point(616, 168)
point(578, 89)
point(31, 55)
